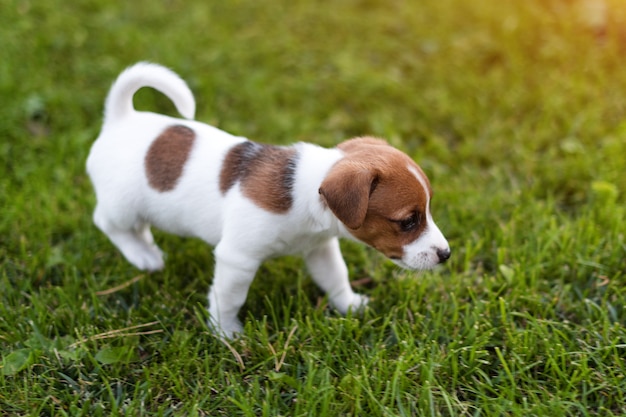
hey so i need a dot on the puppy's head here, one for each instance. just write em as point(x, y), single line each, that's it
point(383, 199)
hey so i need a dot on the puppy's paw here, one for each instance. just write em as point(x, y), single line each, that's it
point(148, 259)
point(228, 331)
point(359, 303)
point(351, 302)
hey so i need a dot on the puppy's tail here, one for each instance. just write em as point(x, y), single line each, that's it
point(119, 102)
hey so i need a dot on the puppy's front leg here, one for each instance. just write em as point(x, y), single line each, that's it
point(228, 293)
point(330, 272)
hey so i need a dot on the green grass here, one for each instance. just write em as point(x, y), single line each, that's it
point(515, 109)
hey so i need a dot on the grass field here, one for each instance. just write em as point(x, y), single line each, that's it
point(515, 109)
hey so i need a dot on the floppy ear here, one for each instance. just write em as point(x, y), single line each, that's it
point(346, 190)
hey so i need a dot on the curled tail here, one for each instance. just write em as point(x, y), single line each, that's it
point(119, 102)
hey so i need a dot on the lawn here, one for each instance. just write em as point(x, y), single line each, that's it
point(515, 109)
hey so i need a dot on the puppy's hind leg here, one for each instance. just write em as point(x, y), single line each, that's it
point(134, 240)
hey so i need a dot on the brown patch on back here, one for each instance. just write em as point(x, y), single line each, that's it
point(371, 190)
point(167, 155)
point(266, 174)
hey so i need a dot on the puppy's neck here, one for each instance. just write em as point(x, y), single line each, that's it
point(313, 165)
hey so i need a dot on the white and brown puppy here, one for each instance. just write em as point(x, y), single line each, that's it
point(252, 201)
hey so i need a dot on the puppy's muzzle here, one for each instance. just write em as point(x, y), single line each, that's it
point(443, 255)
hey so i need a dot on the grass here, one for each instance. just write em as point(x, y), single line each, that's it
point(516, 110)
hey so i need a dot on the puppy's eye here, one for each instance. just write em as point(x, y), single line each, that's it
point(410, 223)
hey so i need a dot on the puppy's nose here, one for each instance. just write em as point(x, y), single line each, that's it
point(443, 254)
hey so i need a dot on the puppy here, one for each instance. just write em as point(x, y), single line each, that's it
point(252, 201)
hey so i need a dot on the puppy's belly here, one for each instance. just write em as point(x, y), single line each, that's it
point(188, 214)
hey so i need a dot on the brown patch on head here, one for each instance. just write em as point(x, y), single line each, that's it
point(355, 144)
point(373, 191)
point(266, 174)
point(167, 156)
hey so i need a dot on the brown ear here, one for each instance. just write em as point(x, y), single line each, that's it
point(346, 190)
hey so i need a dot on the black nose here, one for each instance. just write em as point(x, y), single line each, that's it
point(443, 254)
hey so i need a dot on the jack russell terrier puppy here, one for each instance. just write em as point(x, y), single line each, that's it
point(252, 201)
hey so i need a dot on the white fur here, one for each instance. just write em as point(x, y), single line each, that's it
point(243, 233)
